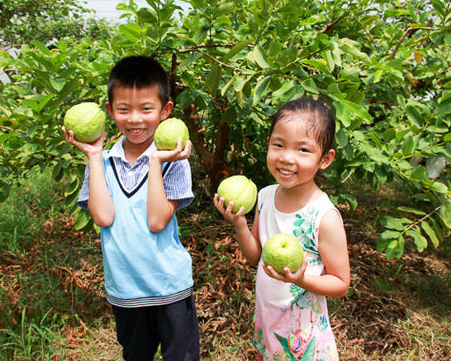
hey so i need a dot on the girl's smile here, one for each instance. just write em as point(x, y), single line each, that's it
point(294, 156)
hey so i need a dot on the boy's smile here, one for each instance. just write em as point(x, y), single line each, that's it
point(137, 113)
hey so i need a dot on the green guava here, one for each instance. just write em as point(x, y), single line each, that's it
point(240, 190)
point(169, 132)
point(86, 120)
point(283, 250)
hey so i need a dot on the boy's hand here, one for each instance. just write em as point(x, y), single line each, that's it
point(86, 148)
point(173, 155)
point(237, 219)
point(297, 277)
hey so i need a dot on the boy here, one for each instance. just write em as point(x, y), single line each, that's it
point(132, 193)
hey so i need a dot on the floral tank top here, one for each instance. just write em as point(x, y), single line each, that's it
point(290, 323)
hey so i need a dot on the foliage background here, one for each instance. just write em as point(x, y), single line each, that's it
point(382, 66)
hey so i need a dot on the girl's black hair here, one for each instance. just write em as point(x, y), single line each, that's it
point(320, 119)
point(140, 72)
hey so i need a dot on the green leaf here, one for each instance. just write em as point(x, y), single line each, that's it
point(236, 49)
point(336, 53)
point(430, 232)
point(342, 113)
point(71, 86)
point(411, 210)
point(310, 86)
point(342, 138)
point(389, 235)
point(260, 88)
point(327, 56)
point(82, 220)
point(408, 145)
point(439, 7)
point(443, 108)
point(131, 31)
point(419, 173)
point(438, 187)
point(420, 242)
point(222, 9)
point(213, 78)
point(392, 223)
point(146, 15)
point(446, 213)
point(351, 47)
point(355, 110)
point(57, 83)
point(258, 55)
point(392, 249)
point(72, 187)
point(414, 116)
point(45, 50)
point(228, 85)
point(285, 92)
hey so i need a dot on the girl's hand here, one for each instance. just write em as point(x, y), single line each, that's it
point(296, 277)
point(173, 155)
point(86, 148)
point(237, 219)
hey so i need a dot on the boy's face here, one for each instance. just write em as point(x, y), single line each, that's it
point(137, 113)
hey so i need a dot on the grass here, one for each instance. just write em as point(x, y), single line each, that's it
point(51, 288)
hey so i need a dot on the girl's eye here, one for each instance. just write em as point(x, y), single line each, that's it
point(304, 150)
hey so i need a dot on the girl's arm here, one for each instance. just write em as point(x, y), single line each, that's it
point(100, 204)
point(159, 209)
point(334, 253)
point(248, 239)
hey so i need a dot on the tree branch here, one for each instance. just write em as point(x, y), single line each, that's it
point(406, 33)
point(333, 23)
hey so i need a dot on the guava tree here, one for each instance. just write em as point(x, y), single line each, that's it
point(382, 67)
point(24, 20)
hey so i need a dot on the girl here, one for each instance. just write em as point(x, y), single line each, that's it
point(291, 317)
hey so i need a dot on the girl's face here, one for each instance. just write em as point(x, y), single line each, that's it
point(137, 113)
point(294, 156)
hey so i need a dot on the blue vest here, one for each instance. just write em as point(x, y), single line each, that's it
point(137, 262)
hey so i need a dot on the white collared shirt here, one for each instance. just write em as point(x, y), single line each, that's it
point(131, 177)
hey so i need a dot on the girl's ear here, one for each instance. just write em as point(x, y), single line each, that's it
point(327, 159)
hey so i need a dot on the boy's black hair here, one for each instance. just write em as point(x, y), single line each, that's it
point(140, 72)
point(321, 120)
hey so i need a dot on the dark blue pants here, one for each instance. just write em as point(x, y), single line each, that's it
point(174, 326)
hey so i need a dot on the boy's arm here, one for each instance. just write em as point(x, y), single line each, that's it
point(159, 209)
point(100, 204)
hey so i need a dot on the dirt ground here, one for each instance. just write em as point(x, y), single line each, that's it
point(374, 321)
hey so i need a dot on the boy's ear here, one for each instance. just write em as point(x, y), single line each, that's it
point(327, 159)
point(109, 108)
point(167, 109)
